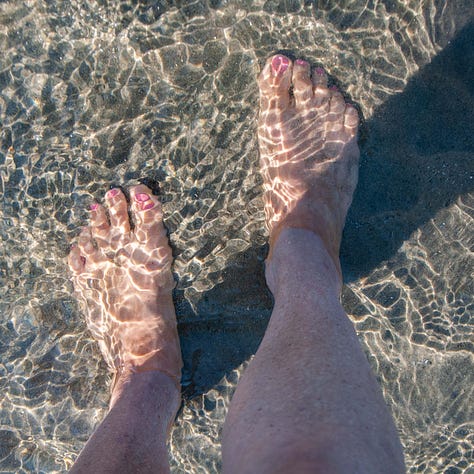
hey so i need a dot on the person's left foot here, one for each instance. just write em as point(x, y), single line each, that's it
point(123, 277)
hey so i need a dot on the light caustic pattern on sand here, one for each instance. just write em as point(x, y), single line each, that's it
point(98, 94)
point(308, 149)
point(123, 277)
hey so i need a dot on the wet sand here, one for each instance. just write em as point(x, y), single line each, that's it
point(91, 97)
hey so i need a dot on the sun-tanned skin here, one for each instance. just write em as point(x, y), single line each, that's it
point(308, 403)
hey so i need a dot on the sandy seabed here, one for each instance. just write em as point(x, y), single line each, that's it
point(98, 93)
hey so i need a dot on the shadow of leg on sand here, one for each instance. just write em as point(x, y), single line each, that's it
point(416, 159)
point(230, 323)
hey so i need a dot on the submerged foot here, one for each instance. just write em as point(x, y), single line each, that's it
point(122, 275)
point(308, 148)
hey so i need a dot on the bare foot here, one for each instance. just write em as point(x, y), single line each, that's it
point(123, 278)
point(308, 148)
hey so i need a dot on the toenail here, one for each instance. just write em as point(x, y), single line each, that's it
point(319, 71)
point(301, 62)
point(280, 64)
point(94, 206)
point(334, 88)
point(145, 207)
point(142, 197)
point(112, 193)
point(83, 259)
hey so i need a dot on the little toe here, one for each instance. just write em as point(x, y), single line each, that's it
point(351, 119)
point(274, 83)
point(118, 210)
point(76, 260)
point(99, 224)
point(302, 85)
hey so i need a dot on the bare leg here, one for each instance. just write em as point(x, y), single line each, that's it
point(123, 278)
point(308, 402)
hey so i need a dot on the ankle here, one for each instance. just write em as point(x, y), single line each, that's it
point(129, 387)
point(300, 261)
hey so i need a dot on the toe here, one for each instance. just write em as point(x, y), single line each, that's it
point(274, 83)
point(319, 77)
point(351, 119)
point(302, 85)
point(99, 224)
point(321, 93)
point(321, 96)
point(86, 244)
point(87, 252)
point(148, 216)
point(118, 210)
point(76, 261)
point(337, 106)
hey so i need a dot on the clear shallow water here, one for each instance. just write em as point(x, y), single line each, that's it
point(94, 93)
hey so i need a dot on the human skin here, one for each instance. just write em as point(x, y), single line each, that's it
point(122, 275)
point(308, 402)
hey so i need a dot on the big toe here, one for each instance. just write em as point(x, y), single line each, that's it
point(147, 214)
point(274, 83)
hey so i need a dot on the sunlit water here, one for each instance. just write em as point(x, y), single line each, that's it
point(100, 93)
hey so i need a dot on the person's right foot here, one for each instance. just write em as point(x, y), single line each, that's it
point(308, 149)
point(122, 275)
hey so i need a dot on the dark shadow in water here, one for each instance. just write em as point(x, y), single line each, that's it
point(229, 325)
point(415, 160)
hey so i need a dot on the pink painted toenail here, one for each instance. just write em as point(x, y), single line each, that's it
point(94, 206)
point(301, 62)
point(334, 88)
point(142, 197)
point(319, 71)
point(280, 64)
point(112, 193)
point(83, 259)
point(145, 207)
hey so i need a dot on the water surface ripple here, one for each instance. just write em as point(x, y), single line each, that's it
point(96, 93)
